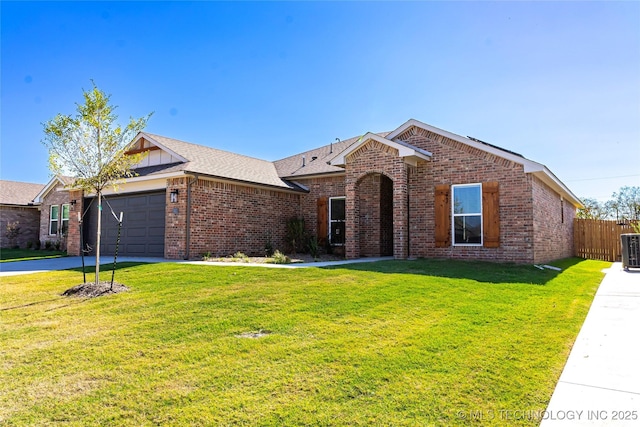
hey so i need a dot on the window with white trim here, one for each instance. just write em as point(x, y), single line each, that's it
point(53, 219)
point(65, 219)
point(467, 214)
point(337, 219)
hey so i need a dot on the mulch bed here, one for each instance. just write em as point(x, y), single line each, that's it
point(90, 290)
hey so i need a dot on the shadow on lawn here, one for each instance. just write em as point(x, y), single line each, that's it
point(473, 270)
point(108, 268)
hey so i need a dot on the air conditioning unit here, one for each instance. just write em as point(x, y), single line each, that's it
point(630, 250)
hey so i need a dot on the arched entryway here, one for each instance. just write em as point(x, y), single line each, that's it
point(375, 214)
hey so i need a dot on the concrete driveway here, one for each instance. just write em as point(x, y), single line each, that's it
point(64, 263)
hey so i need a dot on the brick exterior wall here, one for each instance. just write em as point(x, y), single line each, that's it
point(381, 159)
point(226, 218)
point(28, 219)
point(175, 232)
point(73, 237)
point(58, 196)
point(457, 163)
point(327, 186)
point(552, 224)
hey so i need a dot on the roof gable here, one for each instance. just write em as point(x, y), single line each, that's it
point(156, 152)
point(409, 153)
point(537, 169)
point(51, 185)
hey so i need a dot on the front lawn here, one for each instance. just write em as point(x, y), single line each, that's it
point(8, 255)
point(391, 343)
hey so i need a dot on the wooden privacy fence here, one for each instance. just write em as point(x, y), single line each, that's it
point(599, 239)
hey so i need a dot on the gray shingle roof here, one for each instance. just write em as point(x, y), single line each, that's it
point(223, 164)
point(291, 167)
point(18, 193)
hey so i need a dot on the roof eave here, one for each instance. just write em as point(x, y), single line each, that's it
point(315, 175)
point(249, 183)
point(545, 175)
point(46, 189)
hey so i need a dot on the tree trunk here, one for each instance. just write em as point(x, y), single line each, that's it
point(98, 238)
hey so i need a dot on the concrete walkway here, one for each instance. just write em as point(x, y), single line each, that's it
point(600, 384)
point(64, 263)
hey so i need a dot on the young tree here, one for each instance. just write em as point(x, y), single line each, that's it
point(90, 147)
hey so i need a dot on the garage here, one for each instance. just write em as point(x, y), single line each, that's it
point(142, 233)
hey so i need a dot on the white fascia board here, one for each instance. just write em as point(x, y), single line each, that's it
point(314, 175)
point(546, 176)
point(53, 182)
point(403, 150)
point(159, 145)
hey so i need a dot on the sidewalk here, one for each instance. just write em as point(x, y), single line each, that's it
point(64, 263)
point(600, 384)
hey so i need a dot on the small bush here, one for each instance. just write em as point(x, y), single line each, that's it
point(280, 258)
point(314, 246)
point(268, 249)
point(37, 245)
point(57, 245)
point(12, 232)
point(241, 257)
point(29, 244)
point(296, 234)
point(48, 245)
point(206, 256)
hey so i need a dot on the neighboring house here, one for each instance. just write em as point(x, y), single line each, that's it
point(417, 191)
point(16, 206)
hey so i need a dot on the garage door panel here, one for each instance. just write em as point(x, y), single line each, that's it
point(156, 214)
point(138, 201)
point(157, 200)
point(157, 248)
point(137, 216)
point(143, 225)
point(156, 232)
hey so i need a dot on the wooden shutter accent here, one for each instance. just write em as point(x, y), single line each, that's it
point(491, 214)
point(323, 220)
point(442, 216)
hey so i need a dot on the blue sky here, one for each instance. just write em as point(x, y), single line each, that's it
point(558, 82)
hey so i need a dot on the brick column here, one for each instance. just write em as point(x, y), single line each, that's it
point(73, 234)
point(352, 225)
point(400, 222)
point(175, 233)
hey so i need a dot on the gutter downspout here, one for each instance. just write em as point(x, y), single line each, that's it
point(188, 219)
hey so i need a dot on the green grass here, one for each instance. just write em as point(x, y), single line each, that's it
point(390, 343)
point(8, 255)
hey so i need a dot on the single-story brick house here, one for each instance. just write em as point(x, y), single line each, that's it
point(17, 207)
point(417, 191)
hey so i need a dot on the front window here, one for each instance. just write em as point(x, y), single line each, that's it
point(53, 219)
point(467, 214)
point(65, 219)
point(337, 220)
